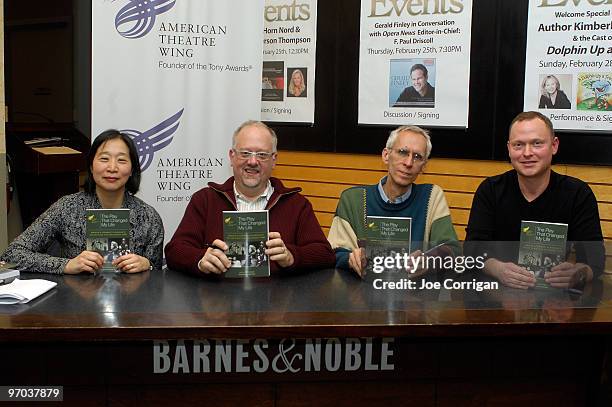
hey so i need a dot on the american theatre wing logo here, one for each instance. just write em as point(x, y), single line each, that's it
point(154, 139)
point(137, 17)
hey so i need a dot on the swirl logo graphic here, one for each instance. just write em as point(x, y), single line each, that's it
point(137, 18)
point(155, 139)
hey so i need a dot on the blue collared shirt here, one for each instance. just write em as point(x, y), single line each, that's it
point(384, 197)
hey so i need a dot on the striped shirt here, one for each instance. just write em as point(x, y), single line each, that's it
point(246, 205)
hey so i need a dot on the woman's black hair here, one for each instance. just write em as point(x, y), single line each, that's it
point(133, 182)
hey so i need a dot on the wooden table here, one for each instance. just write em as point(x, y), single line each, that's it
point(318, 338)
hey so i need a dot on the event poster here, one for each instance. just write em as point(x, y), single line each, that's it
point(414, 62)
point(289, 51)
point(179, 77)
point(568, 72)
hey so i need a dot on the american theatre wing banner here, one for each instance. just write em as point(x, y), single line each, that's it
point(178, 76)
point(414, 62)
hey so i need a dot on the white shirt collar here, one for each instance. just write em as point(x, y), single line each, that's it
point(253, 204)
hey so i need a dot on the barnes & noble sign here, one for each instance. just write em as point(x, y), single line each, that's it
point(284, 356)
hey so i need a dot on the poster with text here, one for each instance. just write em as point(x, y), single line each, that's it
point(179, 77)
point(568, 68)
point(414, 62)
point(289, 51)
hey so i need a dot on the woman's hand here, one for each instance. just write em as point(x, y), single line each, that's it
point(132, 263)
point(87, 261)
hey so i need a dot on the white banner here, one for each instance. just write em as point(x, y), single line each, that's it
point(568, 68)
point(179, 76)
point(414, 62)
point(289, 51)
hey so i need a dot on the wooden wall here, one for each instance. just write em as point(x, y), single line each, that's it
point(323, 176)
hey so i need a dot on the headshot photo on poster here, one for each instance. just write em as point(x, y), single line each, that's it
point(296, 78)
point(412, 82)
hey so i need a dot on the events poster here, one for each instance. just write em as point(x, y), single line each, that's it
point(178, 76)
point(414, 62)
point(289, 51)
point(568, 72)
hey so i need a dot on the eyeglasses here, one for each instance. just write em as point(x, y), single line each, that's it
point(405, 153)
point(259, 155)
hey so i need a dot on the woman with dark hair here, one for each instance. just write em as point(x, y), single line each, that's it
point(552, 97)
point(113, 176)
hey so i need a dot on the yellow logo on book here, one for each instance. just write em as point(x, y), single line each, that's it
point(91, 218)
point(527, 231)
point(228, 221)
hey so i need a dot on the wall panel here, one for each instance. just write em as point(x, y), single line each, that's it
point(323, 177)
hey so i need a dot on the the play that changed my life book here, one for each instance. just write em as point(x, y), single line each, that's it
point(387, 236)
point(542, 246)
point(246, 234)
point(108, 233)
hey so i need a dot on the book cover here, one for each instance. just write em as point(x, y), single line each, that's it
point(542, 246)
point(108, 233)
point(273, 81)
point(594, 91)
point(387, 237)
point(246, 234)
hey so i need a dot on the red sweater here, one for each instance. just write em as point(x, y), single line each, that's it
point(290, 214)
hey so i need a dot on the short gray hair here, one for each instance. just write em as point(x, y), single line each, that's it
point(256, 123)
point(414, 129)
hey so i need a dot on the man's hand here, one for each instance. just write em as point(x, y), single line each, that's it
point(214, 260)
point(509, 274)
point(568, 275)
point(277, 251)
point(132, 263)
point(86, 261)
point(357, 261)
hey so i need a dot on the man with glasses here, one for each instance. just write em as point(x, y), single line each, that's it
point(396, 195)
point(295, 240)
point(533, 192)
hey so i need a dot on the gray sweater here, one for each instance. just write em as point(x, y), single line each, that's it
point(64, 223)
